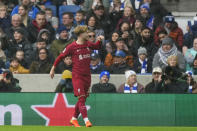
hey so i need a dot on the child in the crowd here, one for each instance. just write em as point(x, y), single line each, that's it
point(142, 64)
point(20, 56)
point(66, 64)
point(65, 84)
point(80, 18)
point(16, 68)
point(96, 65)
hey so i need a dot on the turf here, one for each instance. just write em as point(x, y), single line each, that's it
point(95, 128)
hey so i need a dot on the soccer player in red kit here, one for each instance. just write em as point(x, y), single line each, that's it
point(80, 51)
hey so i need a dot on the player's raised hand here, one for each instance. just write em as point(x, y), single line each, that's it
point(100, 38)
point(52, 72)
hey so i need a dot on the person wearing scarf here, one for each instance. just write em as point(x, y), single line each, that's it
point(131, 85)
point(167, 49)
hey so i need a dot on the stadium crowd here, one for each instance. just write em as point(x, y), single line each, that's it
point(140, 36)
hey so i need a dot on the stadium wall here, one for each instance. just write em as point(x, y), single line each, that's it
point(52, 109)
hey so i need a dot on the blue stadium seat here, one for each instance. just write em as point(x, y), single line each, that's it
point(68, 8)
point(53, 8)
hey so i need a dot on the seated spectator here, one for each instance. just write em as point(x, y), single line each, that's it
point(128, 15)
point(8, 83)
point(42, 65)
point(142, 64)
point(41, 43)
point(173, 62)
point(45, 34)
point(51, 19)
point(23, 12)
point(119, 65)
point(161, 35)
point(193, 66)
point(90, 4)
point(66, 64)
point(152, 86)
point(38, 24)
point(33, 10)
point(96, 66)
point(59, 44)
point(16, 67)
point(3, 40)
point(167, 49)
point(131, 85)
point(173, 30)
point(122, 3)
point(20, 55)
point(65, 84)
point(104, 86)
point(4, 18)
point(120, 46)
point(191, 82)
point(80, 18)
point(190, 55)
point(111, 45)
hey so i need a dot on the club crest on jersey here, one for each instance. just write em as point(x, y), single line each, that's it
point(80, 57)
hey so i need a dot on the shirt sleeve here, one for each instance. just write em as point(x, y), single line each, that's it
point(94, 46)
point(65, 52)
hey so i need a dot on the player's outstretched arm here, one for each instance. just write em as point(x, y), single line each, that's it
point(52, 72)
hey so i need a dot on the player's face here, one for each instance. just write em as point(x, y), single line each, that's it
point(104, 79)
point(84, 36)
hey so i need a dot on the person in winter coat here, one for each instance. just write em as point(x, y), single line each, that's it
point(66, 64)
point(96, 66)
point(16, 67)
point(104, 86)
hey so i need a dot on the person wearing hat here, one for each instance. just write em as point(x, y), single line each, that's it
point(173, 30)
point(104, 86)
point(152, 86)
point(96, 65)
point(60, 43)
point(131, 85)
point(120, 46)
point(65, 84)
point(142, 64)
point(167, 49)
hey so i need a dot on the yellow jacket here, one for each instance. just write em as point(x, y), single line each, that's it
point(19, 70)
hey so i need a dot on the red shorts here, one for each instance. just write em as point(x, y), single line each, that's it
point(81, 84)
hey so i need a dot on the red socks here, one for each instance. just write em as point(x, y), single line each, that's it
point(80, 108)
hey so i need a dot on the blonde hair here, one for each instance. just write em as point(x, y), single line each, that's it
point(80, 29)
point(172, 57)
point(131, 8)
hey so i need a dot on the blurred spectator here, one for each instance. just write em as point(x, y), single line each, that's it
point(152, 86)
point(23, 12)
point(161, 35)
point(20, 55)
point(59, 44)
point(42, 65)
point(131, 85)
point(65, 84)
point(111, 45)
point(96, 66)
point(37, 25)
point(4, 18)
point(19, 42)
point(104, 86)
point(128, 15)
point(3, 40)
point(142, 64)
point(32, 9)
point(173, 62)
point(80, 18)
point(16, 67)
point(191, 82)
point(167, 49)
point(65, 64)
point(41, 43)
point(190, 55)
point(45, 35)
point(90, 4)
point(51, 19)
point(120, 64)
point(120, 46)
point(171, 27)
point(16, 23)
point(8, 83)
point(125, 33)
point(121, 3)
point(193, 66)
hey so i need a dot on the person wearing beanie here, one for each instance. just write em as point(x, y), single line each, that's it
point(172, 29)
point(65, 84)
point(142, 64)
point(96, 65)
point(104, 86)
point(60, 43)
point(131, 85)
point(167, 49)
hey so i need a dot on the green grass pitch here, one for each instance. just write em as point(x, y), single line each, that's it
point(95, 128)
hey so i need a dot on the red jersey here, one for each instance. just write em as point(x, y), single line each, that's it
point(81, 56)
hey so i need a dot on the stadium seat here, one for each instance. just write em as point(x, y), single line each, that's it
point(53, 8)
point(68, 8)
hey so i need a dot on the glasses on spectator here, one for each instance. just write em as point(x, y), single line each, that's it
point(41, 53)
point(156, 73)
point(90, 36)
